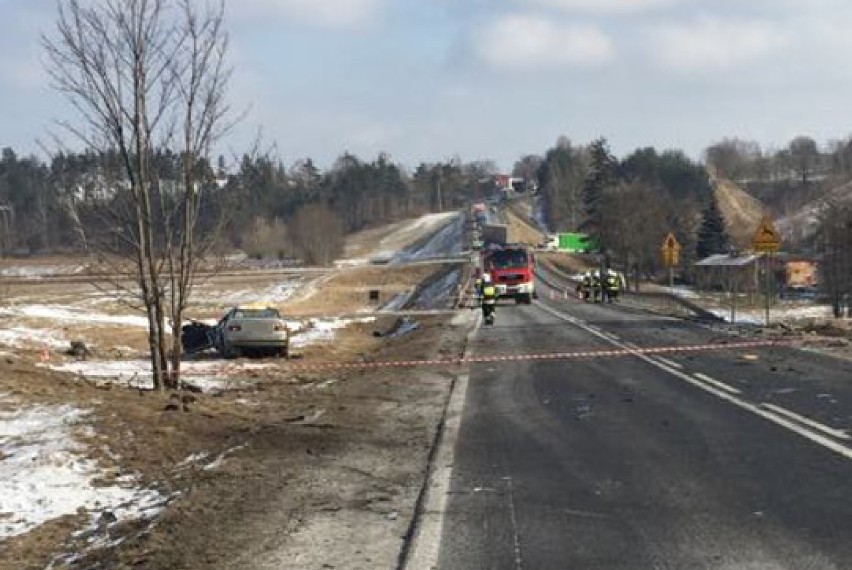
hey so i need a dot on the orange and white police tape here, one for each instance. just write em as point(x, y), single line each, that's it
point(543, 356)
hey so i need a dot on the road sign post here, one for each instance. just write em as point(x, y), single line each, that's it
point(671, 256)
point(767, 240)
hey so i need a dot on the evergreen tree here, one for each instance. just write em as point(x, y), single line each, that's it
point(602, 177)
point(712, 237)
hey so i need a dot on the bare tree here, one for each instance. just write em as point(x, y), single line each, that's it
point(146, 77)
point(835, 245)
point(318, 233)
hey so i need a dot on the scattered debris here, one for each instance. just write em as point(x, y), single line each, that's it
point(402, 326)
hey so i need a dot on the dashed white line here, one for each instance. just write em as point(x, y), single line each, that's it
point(714, 382)
point(807, 421)
point(759, 410)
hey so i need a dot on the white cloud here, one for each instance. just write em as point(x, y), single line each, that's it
point(711, 43)
point(605, 5)
point(525, 41)
point(337, 14)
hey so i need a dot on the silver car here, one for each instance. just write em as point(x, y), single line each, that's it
point(252, 328)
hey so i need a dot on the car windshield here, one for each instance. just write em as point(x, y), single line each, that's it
point(268, 313)
point(508, 258)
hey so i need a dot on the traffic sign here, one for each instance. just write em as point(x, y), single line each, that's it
point(671, 250)
point(766, 238)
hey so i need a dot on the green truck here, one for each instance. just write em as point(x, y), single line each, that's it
point(571, 242)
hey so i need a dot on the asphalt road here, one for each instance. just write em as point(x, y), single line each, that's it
point(634, 462)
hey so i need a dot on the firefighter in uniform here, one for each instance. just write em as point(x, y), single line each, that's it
point(584, 287)
point(612, 285)
point(597, 292)
point(489, 299)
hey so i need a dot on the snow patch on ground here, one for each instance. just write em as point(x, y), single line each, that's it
point(440, 293)
point(446, 241)
point(322, 330)
point(776, 314)
point(210, 375)
point(39, 271)
point(66, 314)
point(26, 337)
point(403, 237)
point(681, 291)
point(43, 474)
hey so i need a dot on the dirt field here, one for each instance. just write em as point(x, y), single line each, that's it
point(519, 231)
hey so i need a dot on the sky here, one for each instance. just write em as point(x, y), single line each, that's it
point(428, 80)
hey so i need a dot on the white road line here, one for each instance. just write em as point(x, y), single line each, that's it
point(426, 543)
point(840, 434)
point(758, 410)
point(714, 382)
point(668, 362)
point(631, 345)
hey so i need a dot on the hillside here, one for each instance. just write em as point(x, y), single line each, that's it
point(802, 224)
point(742, 212)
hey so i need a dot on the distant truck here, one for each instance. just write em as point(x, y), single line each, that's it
point(570, 242)
point(494, 234)
point(512, 270)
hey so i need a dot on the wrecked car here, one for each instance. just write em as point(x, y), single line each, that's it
point(247, 329)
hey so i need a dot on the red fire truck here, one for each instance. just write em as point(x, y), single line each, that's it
point(512, 269)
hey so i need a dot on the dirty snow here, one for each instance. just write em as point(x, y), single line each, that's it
point(322, 330)
point(44, 474)
point(26, 337)
point(446, 241)
point(440, 293)
point(66, 314)
point(757, 316)
point(404, 236)
point(39, 271)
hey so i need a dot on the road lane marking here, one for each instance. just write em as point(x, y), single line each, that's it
point(519, 561)
point(720, 385)
point(839, 434)
point(667, 362)
point(758, 410)
point(426, 541)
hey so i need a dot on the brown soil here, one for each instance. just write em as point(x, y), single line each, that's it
point(741, 211)
point(520, 231)
point(349, 291)
point(567, 263)
point(325, 452)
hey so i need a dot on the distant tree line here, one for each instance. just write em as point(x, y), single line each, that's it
point(628, 205)
point(270, 209)
point(785, 178)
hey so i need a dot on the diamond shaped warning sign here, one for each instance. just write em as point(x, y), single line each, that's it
point(766, 238)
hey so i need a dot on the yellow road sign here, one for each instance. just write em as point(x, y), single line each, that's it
point(766, 238)
point(671, 250)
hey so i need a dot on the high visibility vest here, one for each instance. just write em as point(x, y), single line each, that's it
point(612, 282)
point(489, 294)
